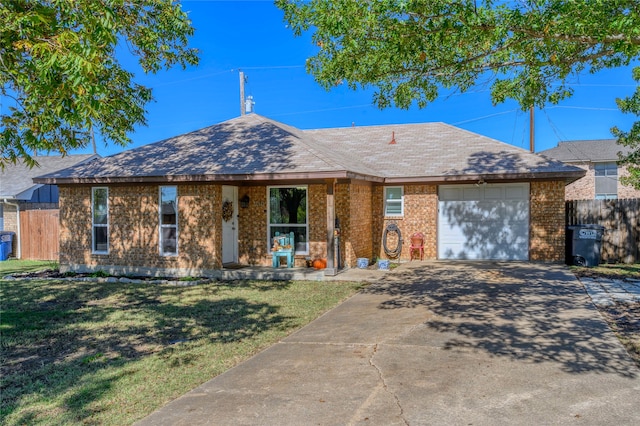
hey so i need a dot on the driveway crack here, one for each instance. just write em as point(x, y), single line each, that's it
point(384, 383)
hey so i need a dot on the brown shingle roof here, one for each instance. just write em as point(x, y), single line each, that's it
point(435, 150)
point(17, 179)
point(595, 150)
point(252, 147)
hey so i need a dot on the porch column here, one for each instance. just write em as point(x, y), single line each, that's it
point(331, 220)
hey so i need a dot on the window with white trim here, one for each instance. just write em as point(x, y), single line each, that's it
point(606, 180)
point(168, 220)
point(288, 213)
point(100, 220)
point(393, 201)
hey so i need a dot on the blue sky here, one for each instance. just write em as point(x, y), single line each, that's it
point(251, 36)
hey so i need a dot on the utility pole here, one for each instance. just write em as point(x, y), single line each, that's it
point(242, 112)
point(532, 131)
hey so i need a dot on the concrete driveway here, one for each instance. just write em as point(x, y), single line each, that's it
point(458, 343)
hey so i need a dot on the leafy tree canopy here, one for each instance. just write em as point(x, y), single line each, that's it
point(60, 76)
point(528, 50)
point(631, 138)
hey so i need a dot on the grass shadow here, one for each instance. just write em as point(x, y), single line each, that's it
point(75, 340)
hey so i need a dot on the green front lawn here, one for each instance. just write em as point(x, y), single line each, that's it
point(618, 270)
point(15, 266)
point(98, 353)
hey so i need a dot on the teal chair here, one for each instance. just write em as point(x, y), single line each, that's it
point(283, 245)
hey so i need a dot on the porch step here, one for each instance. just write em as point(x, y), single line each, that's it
point(273, 274)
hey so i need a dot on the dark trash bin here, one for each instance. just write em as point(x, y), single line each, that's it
point(6, 241)
point(584, 243)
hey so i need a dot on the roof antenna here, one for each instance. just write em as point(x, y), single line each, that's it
point(248, 106)
point(393, 138)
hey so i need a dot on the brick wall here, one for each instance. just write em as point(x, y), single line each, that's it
point(10, 219)
point(318, 221)
point(585, 187)
point(547, 221)
point(342, 197)
point(133, 229)
point(252, 226)
point(625, 191)
point(134, 235)
point(200, 226)
point(10, 214)
point(355, 222)
point(75, 225)
point(377, 221)
point(420, 215)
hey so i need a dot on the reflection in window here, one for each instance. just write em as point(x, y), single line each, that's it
point(288, 213)
point(606, 180)
point(168, 220)
point(100, 220)
point(393, 201)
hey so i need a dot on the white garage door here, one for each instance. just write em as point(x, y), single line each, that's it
point(484, 222)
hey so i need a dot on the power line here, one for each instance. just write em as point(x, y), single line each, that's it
point(320, 110)
point(555, 130)
point(273, 67)
point(599, 85)
point(513, 132)
point(227, 71)
point(484, 116)
point(200, 77)
point(579, 107)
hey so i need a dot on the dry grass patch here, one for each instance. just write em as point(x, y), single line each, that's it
point(623, 318)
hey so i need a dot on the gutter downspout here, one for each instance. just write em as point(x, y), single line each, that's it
point(18, 245)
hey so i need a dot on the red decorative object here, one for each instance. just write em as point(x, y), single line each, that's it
point(417, 246)
point(393, 138)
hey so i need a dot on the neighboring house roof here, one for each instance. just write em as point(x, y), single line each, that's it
point(596, 150)
point(17, 179)
point(253, 147)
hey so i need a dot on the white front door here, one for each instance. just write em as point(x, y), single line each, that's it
point(483, 222)
point(230, 224)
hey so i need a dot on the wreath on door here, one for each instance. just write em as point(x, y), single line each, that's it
point(227, 210)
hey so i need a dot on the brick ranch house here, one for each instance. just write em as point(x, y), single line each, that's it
point(194, 203)
point(598, 157)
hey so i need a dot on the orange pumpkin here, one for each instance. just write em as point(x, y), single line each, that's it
point(320, 263)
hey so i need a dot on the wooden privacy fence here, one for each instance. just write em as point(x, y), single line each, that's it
point(39, 231)
point(621, 221)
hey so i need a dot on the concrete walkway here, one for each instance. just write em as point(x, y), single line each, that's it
point(608, 292)
point(435, 343)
